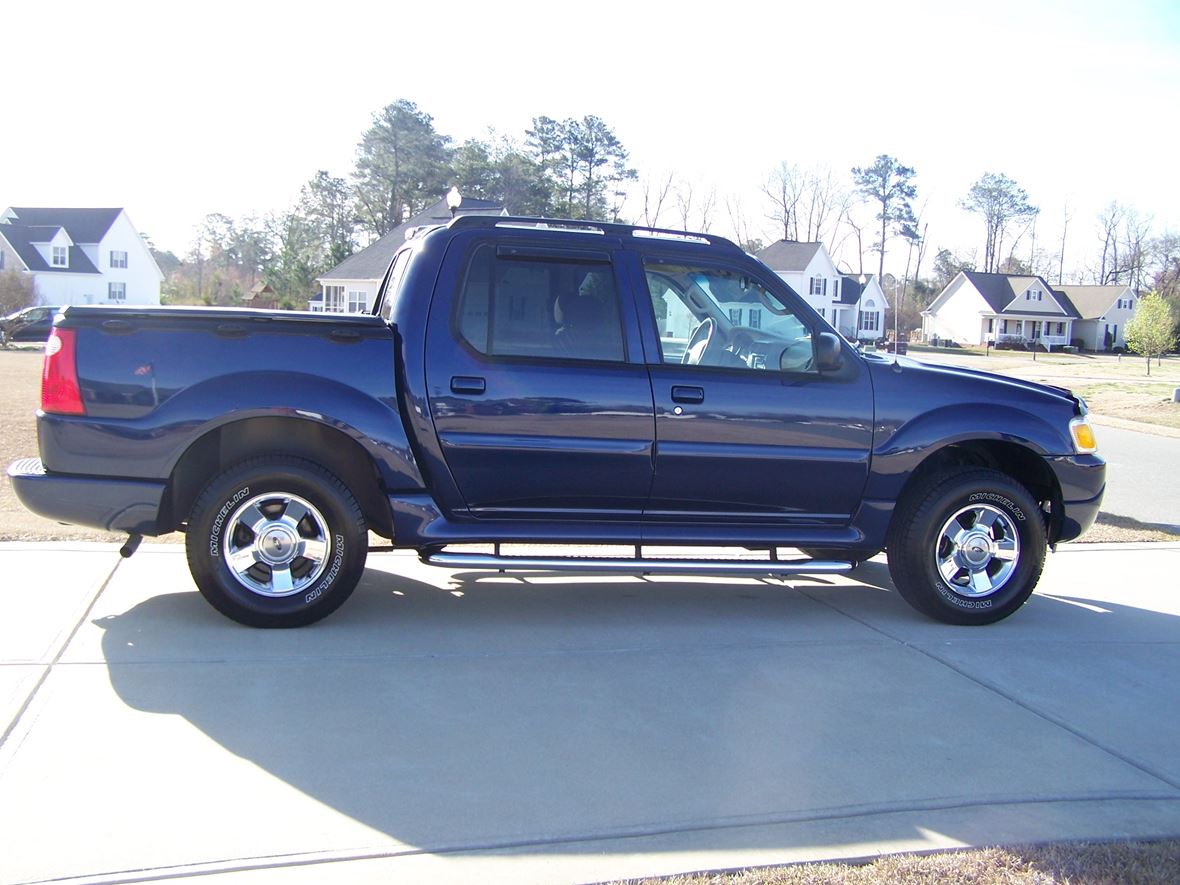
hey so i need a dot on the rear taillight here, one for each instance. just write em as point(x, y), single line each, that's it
point(59, 375)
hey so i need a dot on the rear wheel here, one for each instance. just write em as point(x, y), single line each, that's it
point(967, 547)
point(276, 542)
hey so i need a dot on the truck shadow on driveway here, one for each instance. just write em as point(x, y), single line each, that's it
point(485, 710)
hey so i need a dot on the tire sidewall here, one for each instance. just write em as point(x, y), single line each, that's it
point(213, 513)
point(1021, 510)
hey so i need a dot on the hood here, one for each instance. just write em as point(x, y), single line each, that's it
point(974, 383)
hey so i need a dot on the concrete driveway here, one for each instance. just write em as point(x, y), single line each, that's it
point(475, 726)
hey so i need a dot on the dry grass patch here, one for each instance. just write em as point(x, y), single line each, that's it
point(1113, 863)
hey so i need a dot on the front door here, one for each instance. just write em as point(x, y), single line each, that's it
point(748, 430)
point(541, 404)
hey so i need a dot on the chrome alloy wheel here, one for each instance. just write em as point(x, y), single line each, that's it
point(276, 544)
point(977, 550)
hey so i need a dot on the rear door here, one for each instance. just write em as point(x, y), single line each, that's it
point(539, 395)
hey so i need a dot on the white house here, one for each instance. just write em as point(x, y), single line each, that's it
point(1104, 312)
point(861, 312)
point(977, 307)
point(838, 298)
point(79, 256)
point(351, 286)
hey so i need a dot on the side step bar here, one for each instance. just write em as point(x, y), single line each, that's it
point(635, 566)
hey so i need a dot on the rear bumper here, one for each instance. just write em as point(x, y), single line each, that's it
point(116, 505)
point(1083, 481)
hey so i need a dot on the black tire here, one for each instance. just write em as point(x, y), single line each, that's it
point(276, 542)
point(967, 547)
point(840, 554)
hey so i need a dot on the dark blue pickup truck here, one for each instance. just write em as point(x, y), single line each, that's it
point(553, 383)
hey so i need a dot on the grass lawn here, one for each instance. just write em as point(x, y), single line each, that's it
point(1112, 386)
point(1105, 863)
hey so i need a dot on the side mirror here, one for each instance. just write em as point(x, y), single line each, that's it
point(829, 355)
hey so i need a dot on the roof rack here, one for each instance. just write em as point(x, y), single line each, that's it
point(567, 225)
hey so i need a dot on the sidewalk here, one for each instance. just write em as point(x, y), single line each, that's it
point(475, 726)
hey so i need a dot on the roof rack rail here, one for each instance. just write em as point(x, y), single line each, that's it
point(569, 225)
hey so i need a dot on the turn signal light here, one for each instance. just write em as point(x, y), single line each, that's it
point(1083, 436)
point(59, 376)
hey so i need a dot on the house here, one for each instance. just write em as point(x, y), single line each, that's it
point(1104, 312)
point(79, 256)
point(809, 270)
point(351, 286)
point(862, 308)
point(976, 308)
point(261, 297)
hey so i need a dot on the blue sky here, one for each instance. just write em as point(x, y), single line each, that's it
point(177, 111)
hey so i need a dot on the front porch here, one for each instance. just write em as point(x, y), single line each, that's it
point(1027, 332)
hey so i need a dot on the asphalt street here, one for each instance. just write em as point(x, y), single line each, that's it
point(474, 726)
point(1143, 475)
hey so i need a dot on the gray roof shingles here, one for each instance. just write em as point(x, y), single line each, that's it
point(22, 237)
point(83, 225)
point(788, 256)
point(998, 290)
point(371, 262)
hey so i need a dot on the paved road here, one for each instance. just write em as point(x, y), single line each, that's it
point(1143, 475)
point(449, 726)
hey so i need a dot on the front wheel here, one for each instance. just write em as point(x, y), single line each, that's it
point(967, 547)
point(276, 542)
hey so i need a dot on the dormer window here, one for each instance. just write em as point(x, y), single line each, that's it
point(118, 259)
point(60, 257)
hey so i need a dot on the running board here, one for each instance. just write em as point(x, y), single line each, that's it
point(636, 566)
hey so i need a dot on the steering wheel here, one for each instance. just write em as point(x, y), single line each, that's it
point(698, 342)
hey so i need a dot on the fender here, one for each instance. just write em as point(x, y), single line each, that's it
point(899, 450)
point(160, 438)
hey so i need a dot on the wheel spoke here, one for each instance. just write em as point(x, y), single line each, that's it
point(241, 560)
point(949, 569)
point(294, 513)
point(253, 518)
point(985, 518)
point(280, 579)
point(981, 582)
point(1006, 550)
point(313, 549)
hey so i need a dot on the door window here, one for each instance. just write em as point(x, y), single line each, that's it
point(521, 306)
point(723, 317)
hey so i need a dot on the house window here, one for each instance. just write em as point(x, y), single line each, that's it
point(819, 286)
point(334, 299)
point(991, 324)
point(116, 291)
point(60, 257)
point(118, 259)
point(358, 302)
point(755, 318)
point(870, 322)
point(1061, 328)
point(1003, 327)
point(735, 315)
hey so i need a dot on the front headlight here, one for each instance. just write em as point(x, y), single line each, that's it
point(1082, 433)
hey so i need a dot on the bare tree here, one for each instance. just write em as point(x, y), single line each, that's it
point(1066, 218)
point(784, 189)
point(654, 195)
point(684, 202)
point(1109, 220)
point(741, 225)
point(1000, 201)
